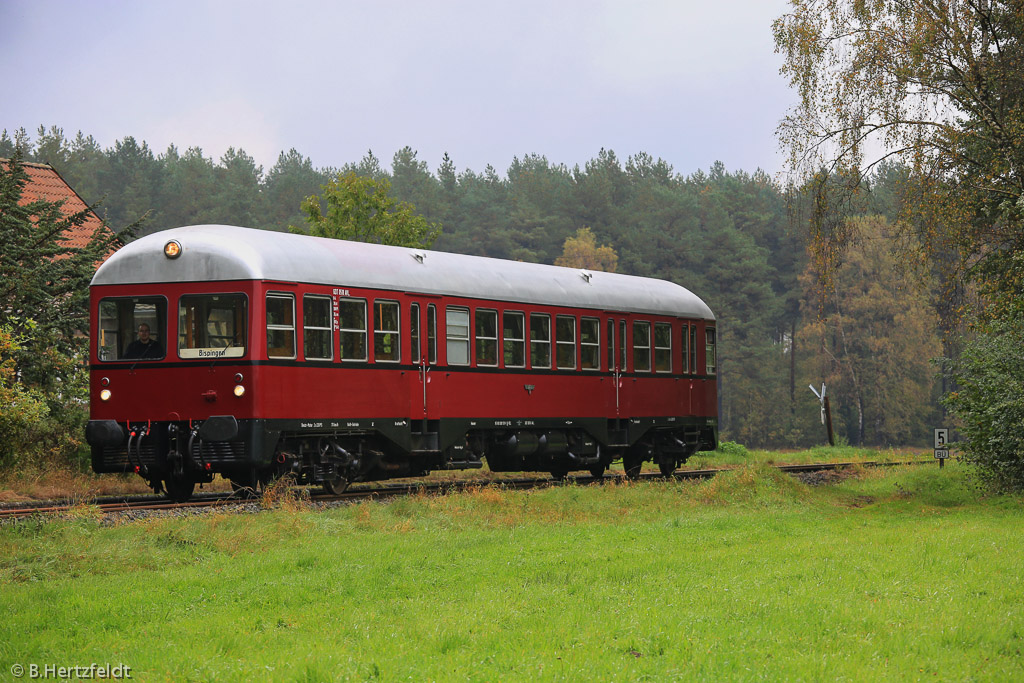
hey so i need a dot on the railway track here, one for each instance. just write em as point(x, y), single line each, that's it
point(114, 504)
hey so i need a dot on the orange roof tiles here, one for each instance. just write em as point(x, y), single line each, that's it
point(46, 183)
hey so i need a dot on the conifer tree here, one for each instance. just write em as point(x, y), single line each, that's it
point(44, 295)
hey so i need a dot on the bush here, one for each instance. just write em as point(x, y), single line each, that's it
point(733, 448)
point(22, 408)
point(40, 428)
point(989, 403)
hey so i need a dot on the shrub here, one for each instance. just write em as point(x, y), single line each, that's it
point(22, 408)
point(41, 426)
point(733, 448)
point(989, 403)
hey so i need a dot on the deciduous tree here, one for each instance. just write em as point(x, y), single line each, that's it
point(937, 84)
point(360, 208)
point(873, 342)
point(581, 251)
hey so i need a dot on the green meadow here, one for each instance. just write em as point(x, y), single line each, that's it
point(901, 573)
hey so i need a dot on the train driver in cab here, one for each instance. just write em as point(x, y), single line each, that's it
point(145, 346)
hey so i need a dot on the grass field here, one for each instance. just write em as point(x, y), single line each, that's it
point(902, 574)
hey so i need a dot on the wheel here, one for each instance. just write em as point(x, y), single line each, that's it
point(179, 489)
point(336, 486)
point(559, 473)
point(632, 464)
point(667, 467)
point(597, 471)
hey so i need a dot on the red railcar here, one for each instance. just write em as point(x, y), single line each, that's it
point(340, 361)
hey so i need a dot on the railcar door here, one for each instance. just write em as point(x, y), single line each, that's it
point(618, 406)
point(424, 404)
point(612, 368)
point(618, 392)
point(686, 399)
point(710, 369)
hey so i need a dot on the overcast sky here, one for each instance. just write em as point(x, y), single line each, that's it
point(689, 81)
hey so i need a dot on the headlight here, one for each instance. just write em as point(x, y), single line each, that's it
point(105, 395)
point(239, 390)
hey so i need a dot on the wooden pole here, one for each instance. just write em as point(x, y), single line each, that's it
point(828, 423)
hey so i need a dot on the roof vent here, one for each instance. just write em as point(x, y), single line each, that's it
point(586, 276)
point(419, 256)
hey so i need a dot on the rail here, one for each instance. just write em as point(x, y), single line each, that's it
point(113, 504)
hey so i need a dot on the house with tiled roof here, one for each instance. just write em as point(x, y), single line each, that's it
point(47, 184)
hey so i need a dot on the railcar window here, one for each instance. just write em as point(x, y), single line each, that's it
point(540, 340)
point(693, 349)
point(352, 328)
point(565, 342)
point(386, 348)
point(514, 339)
point(662, 347)
point(486, 337)
point(317, 335)
point(119, 323)
point(683, 342)
point(414, 332)
point(709, 351)
point(431, 334)
point(622, 345)
point(457, 334)
point(641, 346)
point(212, 325)
point(590, 343)
point(611, 345)
point(280, 325)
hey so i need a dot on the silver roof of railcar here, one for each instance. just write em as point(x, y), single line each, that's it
point(224, 252)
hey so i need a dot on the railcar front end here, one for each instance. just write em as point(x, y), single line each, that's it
point(180, 408)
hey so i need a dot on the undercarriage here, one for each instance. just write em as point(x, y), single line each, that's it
point(175, 456)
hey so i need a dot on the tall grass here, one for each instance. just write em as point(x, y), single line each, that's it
point(731, 454)
point(53, 478)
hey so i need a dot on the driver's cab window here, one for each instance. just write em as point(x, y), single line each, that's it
point(132, 328)
point(212, 326)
